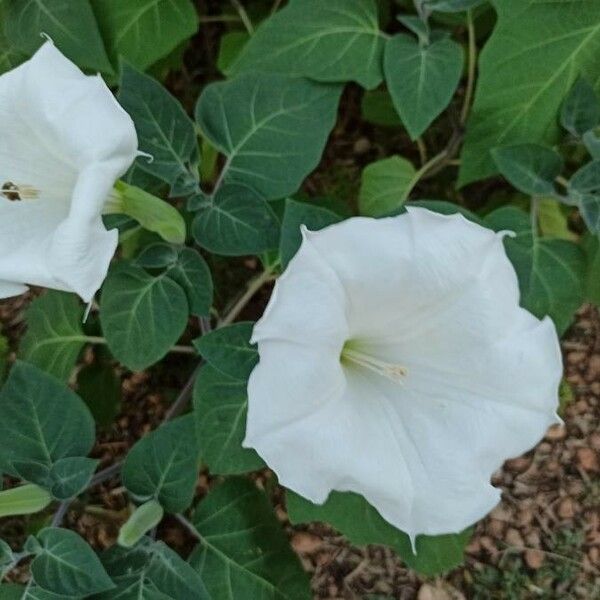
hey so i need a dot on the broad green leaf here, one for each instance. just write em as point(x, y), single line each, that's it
point(230, 46)
point(421, 78)
point(299, 214)
point(452, 5)
point(70, 476)
point(65, 564)
point(23, 500)
point(142, 316)
point(152, 213)
point(584, 190)
point(337, 40)
point(142, 31)
point(553, 220)
point(10, 57)
point(192, 273)
point(530, 168)
point(271, 128)
point(228, 349)
point(377, 108)
point(164, 131)
point(591, 247)
point(525, 73)
point(163, 465)
point(220, 408)
point(243, 551)
point(447, 208)
point(236, 221)
point(581, 109)
point(550, 271)
point(157, 256)
point(100, 388)
point(385, 186)
point(592, 143)
point(353, 516)
point(174, 577)
point(54, 336)
point(12, 591)
point(34, 428)
point(142, 520)
point(71, 26)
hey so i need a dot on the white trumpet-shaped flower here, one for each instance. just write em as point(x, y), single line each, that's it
point(64, 141)
point(395, 362)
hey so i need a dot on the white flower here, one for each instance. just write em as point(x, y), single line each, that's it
point(395, 362)
point(64, 140)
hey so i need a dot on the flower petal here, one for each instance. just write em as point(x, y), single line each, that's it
point(67, 140)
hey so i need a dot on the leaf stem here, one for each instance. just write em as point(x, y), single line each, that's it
point(534, 215)
point(253, 286)
point(93, 339)
point(243, 15)
point(472, 65)
point(189, 526)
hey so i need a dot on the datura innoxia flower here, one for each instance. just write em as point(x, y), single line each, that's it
point(65, 140)
point(396, 362)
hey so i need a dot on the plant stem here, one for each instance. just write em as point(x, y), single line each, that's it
point(243, 16)
point(466, 107)
point(189, 526)
point(275, 6)
point(219, 19)
point(253, 286)
point(422, 150)
point(92, 339)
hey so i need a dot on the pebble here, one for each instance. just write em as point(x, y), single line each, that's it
point(534, 559)
point(306, 543)
point(566, 509)
point(587, 459)
point(513, 537)
point(556, 433)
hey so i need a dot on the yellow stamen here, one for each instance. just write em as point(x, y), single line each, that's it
point(396, 373)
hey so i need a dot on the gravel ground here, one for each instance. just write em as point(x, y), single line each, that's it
point(542, 541)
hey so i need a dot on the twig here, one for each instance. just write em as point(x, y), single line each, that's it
point(466, 107)
point(253, 286)
point(243, 15)
point(184, 396)
point(60, 513)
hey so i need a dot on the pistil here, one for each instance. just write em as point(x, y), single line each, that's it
point(394, 372)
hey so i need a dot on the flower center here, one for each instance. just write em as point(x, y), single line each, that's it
point(396, 373)
point(17, 192)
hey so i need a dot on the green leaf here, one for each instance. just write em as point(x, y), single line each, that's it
point(530, 168)
point(100, 388)
point(54, 337)
point(447, 208)
point(142, 316)
point(584, 190)
point(192, 273)
point(34, 428)
point(143, 519)
point(152, 213)
point(243, 552)
point(421, 78)
point(174, 577)
point(23, 500)
point(11, 591)
point(157, 256)
point(377, 108)
point(592, 143)
point(70, 476)
point(10, 57)
point(525, 73)
point(228, 349)
point(163, 465)
point(353, 516)
point(553, 220)
point(591, 247)
point(581, 109)
point(550, 271)
point(230, 46)
point(338, 41)
point(164, 131)
point(452, 5)
point(385, 186)
point(220, 408)
point(71, 26)
point(236, 221)
point(65, 564)
point(271, 128)
point(143, 31)
point(297, 214)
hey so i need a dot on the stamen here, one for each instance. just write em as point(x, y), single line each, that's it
point(16, 192)
point(396, 373)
